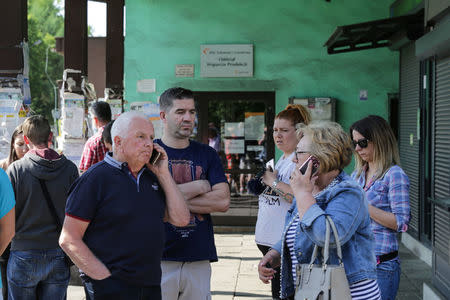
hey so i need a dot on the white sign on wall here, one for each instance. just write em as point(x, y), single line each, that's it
point(184, 70)
point(146, 86)
point(226, 60)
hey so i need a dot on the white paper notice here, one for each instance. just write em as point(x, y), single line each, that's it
point(146, 86)
point(254, 125)
point(234, 129)
point(72, 115)
point(151, 110)
point(234, 146)
point(184, 70)
point(256, 148)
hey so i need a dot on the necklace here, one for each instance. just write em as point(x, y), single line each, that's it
point(370, 181)
point(329, 186)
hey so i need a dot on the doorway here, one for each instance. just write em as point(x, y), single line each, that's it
point(239, 126)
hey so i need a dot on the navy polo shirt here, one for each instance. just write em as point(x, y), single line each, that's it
point(125, 215)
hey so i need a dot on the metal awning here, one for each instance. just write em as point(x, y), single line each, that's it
point(374, 34)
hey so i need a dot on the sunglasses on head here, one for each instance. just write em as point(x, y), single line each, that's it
point(362, 143)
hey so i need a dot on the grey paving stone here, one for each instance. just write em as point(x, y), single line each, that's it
point(235, 277)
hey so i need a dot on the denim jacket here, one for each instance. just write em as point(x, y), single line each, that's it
point(345, 203)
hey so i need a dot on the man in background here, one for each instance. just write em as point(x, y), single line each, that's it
point(94, 149)
point(197, 169)
point(41, 179)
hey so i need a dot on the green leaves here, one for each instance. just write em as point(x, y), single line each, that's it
point(45, 22)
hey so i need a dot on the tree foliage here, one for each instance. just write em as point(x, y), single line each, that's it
point(45, 22)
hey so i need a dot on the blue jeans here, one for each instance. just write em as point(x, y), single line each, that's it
point(117, 289)
point(388, 277)
point(37, 274)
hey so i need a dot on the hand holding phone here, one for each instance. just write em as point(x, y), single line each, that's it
point(315, 165)
point(155, 156)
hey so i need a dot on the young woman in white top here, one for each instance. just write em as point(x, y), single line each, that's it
point(276, 199)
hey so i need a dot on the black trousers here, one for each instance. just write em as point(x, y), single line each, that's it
point(276, 279)
point(3, 265)
point(117, 289)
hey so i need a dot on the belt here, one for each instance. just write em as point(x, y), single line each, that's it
point(386, 257)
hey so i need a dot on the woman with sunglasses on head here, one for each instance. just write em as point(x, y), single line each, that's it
point(387, 190)
point(275, 194)
point(322, 189)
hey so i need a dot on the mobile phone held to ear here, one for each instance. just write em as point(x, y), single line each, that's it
point(315, 165)
point(155, 156)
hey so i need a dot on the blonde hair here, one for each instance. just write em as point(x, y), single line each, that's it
point(295, 113)
point(385, 149)
point(330, 144)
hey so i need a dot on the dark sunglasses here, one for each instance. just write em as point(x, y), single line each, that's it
point(363, 143)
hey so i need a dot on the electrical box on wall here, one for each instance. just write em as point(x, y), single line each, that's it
point(320, 108)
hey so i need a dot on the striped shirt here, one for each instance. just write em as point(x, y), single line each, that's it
point(290, 234)
point(290, 240)
point(389, 193)
point(365, 290)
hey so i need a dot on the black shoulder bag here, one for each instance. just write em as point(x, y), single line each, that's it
point(52, 208)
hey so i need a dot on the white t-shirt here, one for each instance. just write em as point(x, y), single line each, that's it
point(273, 208)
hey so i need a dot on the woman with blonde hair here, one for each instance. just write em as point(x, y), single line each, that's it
point(387, 190)
point(322, 189)
point(275, 194)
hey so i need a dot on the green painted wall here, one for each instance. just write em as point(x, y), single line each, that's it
point(289, 56)
point(403, 7)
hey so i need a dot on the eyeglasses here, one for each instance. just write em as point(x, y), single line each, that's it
point(299, 152)
point(362, 143)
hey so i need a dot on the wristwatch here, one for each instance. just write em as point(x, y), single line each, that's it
point(275, 183)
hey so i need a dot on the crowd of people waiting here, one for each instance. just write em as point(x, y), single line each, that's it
point(142, 230)
point(368, 208)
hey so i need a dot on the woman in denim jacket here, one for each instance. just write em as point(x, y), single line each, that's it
point(387, 191)
point(322, 191)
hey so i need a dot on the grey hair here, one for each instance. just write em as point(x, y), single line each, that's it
point(123, 122)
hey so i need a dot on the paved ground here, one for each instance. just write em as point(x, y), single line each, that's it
point(235, 275)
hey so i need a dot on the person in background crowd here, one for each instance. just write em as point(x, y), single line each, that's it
point(326, 191)
point(387, 190)
point(275, 201)
point(197, 169)
point(36, 266)
point(114, 230)
point(17, 150)
point(7, 221)
point(94, 149)
point(106, 136)
point(214, 138)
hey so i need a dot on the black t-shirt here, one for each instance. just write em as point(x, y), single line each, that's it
point(194, 242)
point(126, 230)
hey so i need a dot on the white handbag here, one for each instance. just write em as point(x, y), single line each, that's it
point(323, 281)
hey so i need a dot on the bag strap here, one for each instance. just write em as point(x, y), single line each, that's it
point(50, 204)
point(336, 238)
point(328, 222)
point(316, 247)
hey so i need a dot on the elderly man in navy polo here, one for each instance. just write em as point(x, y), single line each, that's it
point(113, 230)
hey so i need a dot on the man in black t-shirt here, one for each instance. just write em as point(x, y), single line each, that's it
point(198, 171)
